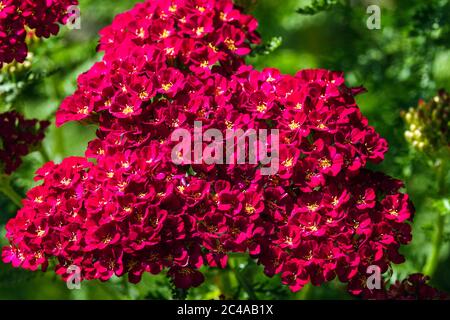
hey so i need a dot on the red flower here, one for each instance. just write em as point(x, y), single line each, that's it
point(18, 137)
point(186, 278)
point(414, 287)
point(15, 15)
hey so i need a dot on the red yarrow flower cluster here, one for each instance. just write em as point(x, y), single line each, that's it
point(16, 15)
point(132, 210)
point(18, 136)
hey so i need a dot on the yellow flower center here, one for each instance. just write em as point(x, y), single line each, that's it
point(84, 110)
point(213, 47)
point(394, 212)
point(261, 108)
point(288, 162)
point(312, 206)
point(141, 33)
point(170, 51)
point(288, 240)
point(127, 110)
point(143, 95)
point(230, 44)
point(167, 86)
point(66, 181)
point(229, 124)
point(164, 34)
point(249, 209)
point(40, 232)
point(294, 125)
point(107, 239)
point(324, 163)
point(199, 31)
point(335, 201)
point(128, 209)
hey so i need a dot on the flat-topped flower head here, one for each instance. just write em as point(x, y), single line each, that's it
point(167, 66)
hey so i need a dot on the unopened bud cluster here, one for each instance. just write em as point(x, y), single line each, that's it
point(17, 67)
point(428, 123)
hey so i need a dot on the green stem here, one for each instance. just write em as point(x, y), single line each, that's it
point(8, 191)
point(179, 294)
point(304, 293)
point(59, 142)
point(225, 283)
point(433, 260)
point(44, 154)
point(243, 282)
point(126, 287)
point(438, 239)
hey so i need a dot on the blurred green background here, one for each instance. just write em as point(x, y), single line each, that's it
point(407, 59)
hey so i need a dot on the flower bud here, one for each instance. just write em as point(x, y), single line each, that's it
point(428, 125)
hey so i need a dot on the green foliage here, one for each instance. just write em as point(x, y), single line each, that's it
point(11, 278)
point(268, 47)
point(317, 6)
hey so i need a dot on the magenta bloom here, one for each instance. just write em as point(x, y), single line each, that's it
point(41, 16)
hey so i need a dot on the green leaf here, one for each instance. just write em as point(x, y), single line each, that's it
point(317, 6)
point(268, 47)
